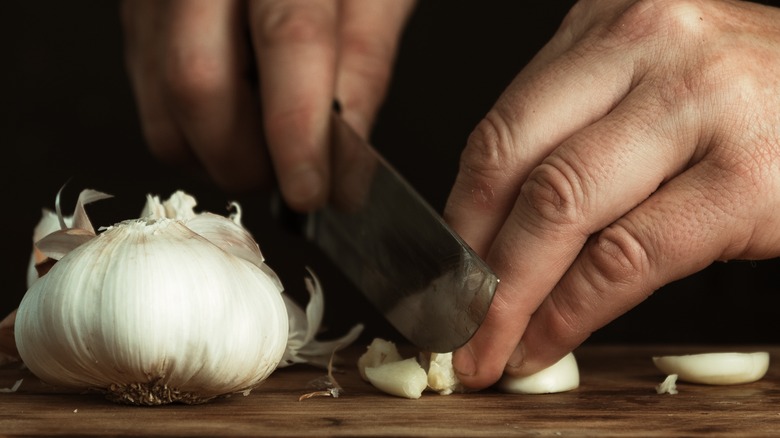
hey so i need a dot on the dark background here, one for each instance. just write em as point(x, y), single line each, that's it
point(68, 116)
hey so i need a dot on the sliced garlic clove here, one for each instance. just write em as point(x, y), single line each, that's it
point(404, 378)
point(716, 368)
point(379, 352)
point(562, 376)
point(441, 374)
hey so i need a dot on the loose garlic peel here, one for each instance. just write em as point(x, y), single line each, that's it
point(562, 376)
point(176, 306)
point(727, 368)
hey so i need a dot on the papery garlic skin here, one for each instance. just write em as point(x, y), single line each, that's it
point(152, 312)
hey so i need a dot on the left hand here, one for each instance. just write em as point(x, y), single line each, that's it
point(639, 146)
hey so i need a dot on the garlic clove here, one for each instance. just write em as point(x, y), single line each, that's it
point(379, 352)
point(179, 205)
point(404, 378)
point(562, 376)
point(727, 368)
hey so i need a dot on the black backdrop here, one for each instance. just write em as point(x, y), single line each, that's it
point(68, 115)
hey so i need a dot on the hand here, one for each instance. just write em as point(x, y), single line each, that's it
point(639, 146)
point(216, 80)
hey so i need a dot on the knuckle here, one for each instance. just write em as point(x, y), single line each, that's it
point(554, 193)
point(371, 59)
point(655, 19)
point(488, 153)
point(618, 257)
point(288, 22)
point(618, 262)
point(567, 325)
point(193, 77)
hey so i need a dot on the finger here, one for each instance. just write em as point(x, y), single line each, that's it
point(142, 58)
point(551, 99)
point(369, 37)
point(295, 43)
point(592, 179)
point(676, 232)
point(565, 89)
point(211, 97)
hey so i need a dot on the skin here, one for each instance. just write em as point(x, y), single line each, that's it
point(242, 90)
point(639, 146)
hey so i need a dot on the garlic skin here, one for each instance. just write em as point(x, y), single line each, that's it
point(302, 344)
point(152, 311)
point(716, 368)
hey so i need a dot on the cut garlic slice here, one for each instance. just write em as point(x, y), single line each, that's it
point(379, 352)
point(404, 378)
point(562, 376)
point(441, 374)
point(716, 368)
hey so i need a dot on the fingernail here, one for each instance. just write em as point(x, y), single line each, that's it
point(303, 185)
point(464, 362)
point(517, 359)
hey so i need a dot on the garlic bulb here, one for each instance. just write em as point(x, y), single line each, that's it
point(154, 310)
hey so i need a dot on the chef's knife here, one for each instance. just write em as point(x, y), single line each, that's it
point(395, 248)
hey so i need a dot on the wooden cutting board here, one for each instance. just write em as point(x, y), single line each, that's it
point(616, 397)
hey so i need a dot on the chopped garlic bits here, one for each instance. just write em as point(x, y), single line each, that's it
point(562, 376)
point(384, 367)
point(668, 386)
point(716, 368)
point(441, 374)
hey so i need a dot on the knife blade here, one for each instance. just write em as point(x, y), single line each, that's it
point(395, 248)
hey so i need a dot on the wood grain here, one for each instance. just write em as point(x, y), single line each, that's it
point(616, 397)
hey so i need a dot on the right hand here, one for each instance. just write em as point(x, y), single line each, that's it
point(217, 81)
